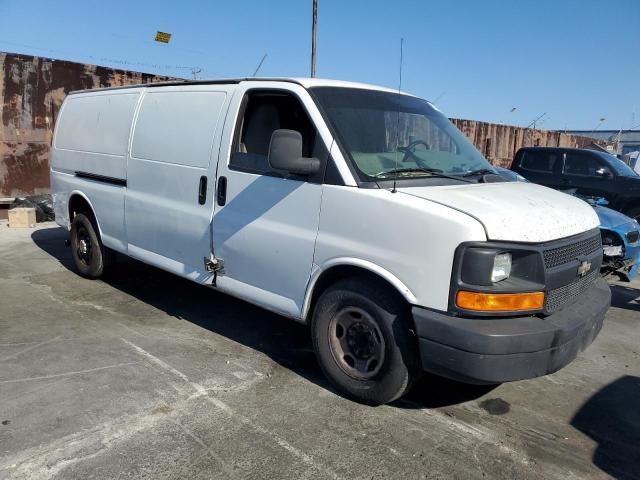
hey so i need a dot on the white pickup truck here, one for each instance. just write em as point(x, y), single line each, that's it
point(356, 209)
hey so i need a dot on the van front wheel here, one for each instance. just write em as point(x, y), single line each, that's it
point(363, 341)
point(89, 255)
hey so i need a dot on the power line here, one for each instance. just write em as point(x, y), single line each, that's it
point(96, 59)
point(537, 119)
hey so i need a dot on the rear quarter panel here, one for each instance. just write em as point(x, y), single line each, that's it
point(92, 136)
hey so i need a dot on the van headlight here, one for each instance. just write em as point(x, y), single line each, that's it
point(501, 267)
point(497, 277)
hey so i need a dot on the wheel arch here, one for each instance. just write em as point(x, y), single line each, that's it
point(340, 268)
point(78, 203)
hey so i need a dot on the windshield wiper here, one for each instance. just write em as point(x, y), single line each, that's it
point(480, 171)
point(433, 172)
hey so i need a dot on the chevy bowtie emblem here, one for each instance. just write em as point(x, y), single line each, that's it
point(584, 268)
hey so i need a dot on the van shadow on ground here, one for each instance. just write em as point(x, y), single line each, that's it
point(611, 418)
point(286, 342)
point(623, 296)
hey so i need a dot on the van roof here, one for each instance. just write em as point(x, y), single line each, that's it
point(305, 82)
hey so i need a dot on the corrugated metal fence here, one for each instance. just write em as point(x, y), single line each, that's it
point(499, 143)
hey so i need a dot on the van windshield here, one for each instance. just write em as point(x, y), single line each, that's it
point(390, 135)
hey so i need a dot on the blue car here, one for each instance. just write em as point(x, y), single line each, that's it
point(620, 241)
point(620, 234)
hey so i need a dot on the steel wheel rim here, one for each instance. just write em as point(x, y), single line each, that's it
point(84, 248)
point(356, 343)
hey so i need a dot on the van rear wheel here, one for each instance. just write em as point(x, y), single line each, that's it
point(89, 255)
point(363, 341)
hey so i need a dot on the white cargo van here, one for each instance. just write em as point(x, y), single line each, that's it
point(358, 210)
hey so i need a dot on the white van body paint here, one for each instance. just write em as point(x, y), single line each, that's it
point(515, 211)
point(412, 239)
point(92, 135)
point(363, 265)
point(148, 147)
point(267, 229)
point(175, 142)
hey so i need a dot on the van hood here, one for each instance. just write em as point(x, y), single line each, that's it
point(515, 211)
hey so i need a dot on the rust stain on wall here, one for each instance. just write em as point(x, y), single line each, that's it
point(32, 90)
point(27, 165)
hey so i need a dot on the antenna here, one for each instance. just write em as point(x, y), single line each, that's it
point(395, 176)
point(439, 97)
point(400, 82)
point(259, 65)
point(314, 29)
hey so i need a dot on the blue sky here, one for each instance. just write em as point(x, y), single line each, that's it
point(576, 60)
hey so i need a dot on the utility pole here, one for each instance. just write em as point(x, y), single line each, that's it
point(529, 133)
point(537, 119)
point(314, 29)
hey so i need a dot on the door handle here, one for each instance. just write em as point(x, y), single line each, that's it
point(202, 190)
point(221, 194)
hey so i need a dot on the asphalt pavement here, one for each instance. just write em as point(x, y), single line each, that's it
point(146, 375)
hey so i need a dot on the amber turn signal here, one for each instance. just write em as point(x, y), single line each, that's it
point(500, 302)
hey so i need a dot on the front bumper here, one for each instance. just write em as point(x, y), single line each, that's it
point(486, 350)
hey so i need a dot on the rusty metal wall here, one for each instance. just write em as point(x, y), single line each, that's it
point(499, 143)
point(31, 92)
point(33, 88)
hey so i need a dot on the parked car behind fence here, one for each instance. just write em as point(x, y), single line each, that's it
point(620, 234)
point(591, 173)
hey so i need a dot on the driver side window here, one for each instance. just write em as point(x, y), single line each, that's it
point(262, 113)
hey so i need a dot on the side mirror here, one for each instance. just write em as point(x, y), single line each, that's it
point(603, 172)
point(285, 153)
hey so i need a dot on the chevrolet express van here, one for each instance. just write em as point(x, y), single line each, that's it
point(358, 210)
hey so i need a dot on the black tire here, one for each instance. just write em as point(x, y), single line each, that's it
point(90, 257)
point(370, 327)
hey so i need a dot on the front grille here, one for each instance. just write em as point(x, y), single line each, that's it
point(559, 297)
point(557, 256)
point(632, 237)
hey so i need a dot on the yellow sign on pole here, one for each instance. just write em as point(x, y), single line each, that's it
point(163, 37)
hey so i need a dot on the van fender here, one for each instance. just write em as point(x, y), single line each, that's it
point(366, 265)
point(93, 210)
